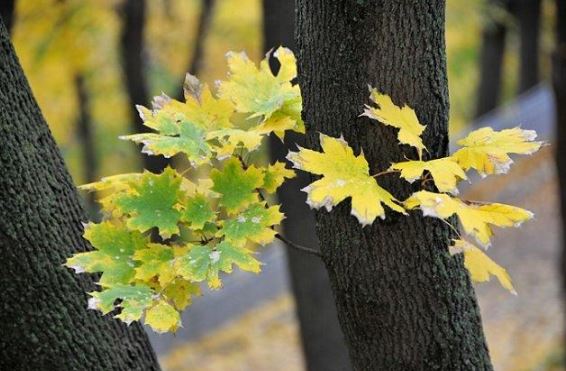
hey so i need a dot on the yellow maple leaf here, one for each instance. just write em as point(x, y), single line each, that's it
point(445, 172)
point(403, 118)
point(480, 266)
point(344, 175)
point(487, 150)
point(476, 219)
point(163, 317)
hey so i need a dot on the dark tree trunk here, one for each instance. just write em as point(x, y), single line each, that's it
point(131, 49)
point(403, 302)
point(528, 17)
point(7, 8)
point(559, 85)
point(87, 140)
point(194, 65)
point(491, 62)
point(322, 339)
point(44, 321)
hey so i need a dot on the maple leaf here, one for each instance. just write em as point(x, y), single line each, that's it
point(344, 175)
point(180, 292)
point(205, 263)
point(198, 211)
point(115, 246)
point(487, 150)
point(134, 300)
point(258, 91)
point(177, 136)
point(274, 176)
point(475, 219)
point(154, 203)
point(162, 317)
point(403, 118)
point(445, 172)
point(155, 261)
point(480, 266)
point(253, 224)
point(230, 139)
point(235, 185)
point(109, 188)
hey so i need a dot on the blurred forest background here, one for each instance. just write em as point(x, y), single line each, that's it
point(80, 57)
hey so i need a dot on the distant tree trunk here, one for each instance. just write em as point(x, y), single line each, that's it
point(559, 84)
point(44, 321)
point(7, 8)
point(491, 62)
point(403, 302)
point(87, 140)
point(131, 49)
point(323, 342)
point(194, 66)
point(528, 17)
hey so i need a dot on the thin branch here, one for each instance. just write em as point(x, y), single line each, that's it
point(385, 172)
point(302, 248)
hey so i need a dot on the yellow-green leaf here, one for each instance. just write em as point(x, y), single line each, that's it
point(476, 219)
point(403, 118)
point(344, 175)
point(480, 266)
point(445, 172)
point(163, 317)
point(487, 150)
point(274, 175)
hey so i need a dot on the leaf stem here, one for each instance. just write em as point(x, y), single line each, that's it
point(302, 248)
point(384, 173)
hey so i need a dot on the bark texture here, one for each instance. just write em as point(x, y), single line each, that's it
point(403, 302)
point(7, 8)
point(491, 61)
point(44, 322)
point(528, 17)
point(133, 13)
point(322, 339)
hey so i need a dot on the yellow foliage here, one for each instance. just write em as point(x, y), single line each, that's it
point(480, 266)
point(344, 175)
point(403, 118)
point(476, 219)
point(445, 172)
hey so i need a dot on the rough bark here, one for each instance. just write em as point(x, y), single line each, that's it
point(491, 62)
point(403, 302)
point(7, 8)
point(528, 17)
point(87, 140)
point(133, 13)
point(44, 322)
point(322, 339)
point(559, 85)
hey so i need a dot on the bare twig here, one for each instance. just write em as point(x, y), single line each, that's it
point(302, 248)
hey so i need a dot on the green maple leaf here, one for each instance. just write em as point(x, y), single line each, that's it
point(134, 300)
point(198, 211)
point(153, 204)
point(205, 263)
point(155, 261)
point(176, 135)
point(235, 185)
point(115, 246)
point(253, 224)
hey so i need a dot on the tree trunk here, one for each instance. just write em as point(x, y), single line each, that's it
point(403, 302)
point(87, 140)
point(491, 62)
point(559, 85)
point(44, 320)
point(528, 16)
point(7, 8)
point(194, 66)
point(131, 49)
point(322, 339)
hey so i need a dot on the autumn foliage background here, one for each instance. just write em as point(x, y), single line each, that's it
point(57, 41)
